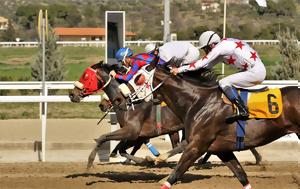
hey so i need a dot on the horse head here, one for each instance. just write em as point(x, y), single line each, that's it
point(96, 78)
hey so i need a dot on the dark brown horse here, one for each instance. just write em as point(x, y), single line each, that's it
point(199, 106)
point(106, 105)
point(137, 125)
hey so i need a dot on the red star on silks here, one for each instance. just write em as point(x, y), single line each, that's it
point(231, 60)
point(204, 57)
point(253, 55)
point(239, 44)
point(245, 66)
point(192, 65)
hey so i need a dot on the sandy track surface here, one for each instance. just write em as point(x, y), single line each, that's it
point(275, 175)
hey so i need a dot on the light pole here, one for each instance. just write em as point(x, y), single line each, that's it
point(224, 33)
point(43, 32)
point(166, 21)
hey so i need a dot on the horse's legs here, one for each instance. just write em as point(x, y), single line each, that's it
point(116, 149)
point(234, 165)
point(257, 156)
point(174, 137)
point(138, 145)
point(204, 160)
point(179, 149)
point(192, 152)
point(124, 133)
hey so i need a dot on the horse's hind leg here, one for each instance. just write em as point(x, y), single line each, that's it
point(234, 165)
point(257, 156)
point(204, 159)
point(116, 149)
point(179, 149)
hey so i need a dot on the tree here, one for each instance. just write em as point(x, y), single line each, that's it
point(290, 68)
point(54, 62)
point(9, 34)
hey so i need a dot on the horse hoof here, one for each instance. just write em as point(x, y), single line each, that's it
point(149, 159)
point(89, 165)
point(113, 155)
point(127, 162)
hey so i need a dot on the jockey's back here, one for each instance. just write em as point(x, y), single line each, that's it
point(236, 52)
point(138, 61)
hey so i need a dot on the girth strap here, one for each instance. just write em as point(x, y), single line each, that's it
point(241, 125)
point(158, 119)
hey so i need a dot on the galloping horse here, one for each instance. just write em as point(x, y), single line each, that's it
point(136, 125)
point(199, 106)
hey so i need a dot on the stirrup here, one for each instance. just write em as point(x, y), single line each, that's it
point(234, 118)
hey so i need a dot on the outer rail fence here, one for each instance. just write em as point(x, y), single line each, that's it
point(127, 43)
point(9, 85)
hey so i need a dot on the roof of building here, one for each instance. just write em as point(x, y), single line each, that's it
point(83, 32)
point(2, 19)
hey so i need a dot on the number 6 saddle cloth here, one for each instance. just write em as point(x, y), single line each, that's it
point(266, 104)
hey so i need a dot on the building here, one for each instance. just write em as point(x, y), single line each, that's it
point(210, 5)
point(84, 34)
point(235, 1)
point(3, 23)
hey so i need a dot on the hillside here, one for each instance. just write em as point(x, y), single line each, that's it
point(144, 17)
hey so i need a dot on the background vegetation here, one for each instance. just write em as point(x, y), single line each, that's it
point(246, 21)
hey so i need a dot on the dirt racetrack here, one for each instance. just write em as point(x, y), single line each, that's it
point(278, 175)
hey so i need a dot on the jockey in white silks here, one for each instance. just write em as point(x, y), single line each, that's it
point(178, 50)
point(236, 53)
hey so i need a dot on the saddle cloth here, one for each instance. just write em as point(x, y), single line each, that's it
point(266, 104)
point(143, 90)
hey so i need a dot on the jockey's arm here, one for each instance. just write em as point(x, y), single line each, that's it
point(208, 61)
point(126, 77)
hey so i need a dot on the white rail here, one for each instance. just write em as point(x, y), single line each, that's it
point(102, 43)
point(8, 85)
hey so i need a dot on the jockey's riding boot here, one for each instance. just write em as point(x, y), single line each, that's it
point(242, 111)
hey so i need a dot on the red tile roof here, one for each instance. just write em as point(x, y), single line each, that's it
point(83, 32)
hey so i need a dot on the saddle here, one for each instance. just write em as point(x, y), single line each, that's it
point(262, 103)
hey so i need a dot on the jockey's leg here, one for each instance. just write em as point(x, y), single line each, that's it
point(249, 78)
point(232, 94)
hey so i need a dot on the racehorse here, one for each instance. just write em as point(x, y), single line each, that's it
point(136, 125)
point(124, 118)
point(198, 104)
point(105, 105)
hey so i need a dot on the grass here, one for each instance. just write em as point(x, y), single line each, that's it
point(15, 63)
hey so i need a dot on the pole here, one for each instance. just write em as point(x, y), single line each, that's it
point(166, 21)
point(224, 32)
point(42, 21)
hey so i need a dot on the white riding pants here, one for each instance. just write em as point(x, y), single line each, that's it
point(248, 78)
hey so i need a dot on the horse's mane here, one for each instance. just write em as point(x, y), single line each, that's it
point(106, 67)
point(203, 77)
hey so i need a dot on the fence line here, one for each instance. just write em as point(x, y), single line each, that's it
point(127, 43)
point(8, 85)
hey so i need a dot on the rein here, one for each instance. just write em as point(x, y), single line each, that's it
point(110, 108)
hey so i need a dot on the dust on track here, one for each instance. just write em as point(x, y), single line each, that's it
point(270, 175)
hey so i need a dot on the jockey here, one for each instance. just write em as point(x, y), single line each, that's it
point(179, 50)
point(134, 63)
point(234, 52)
